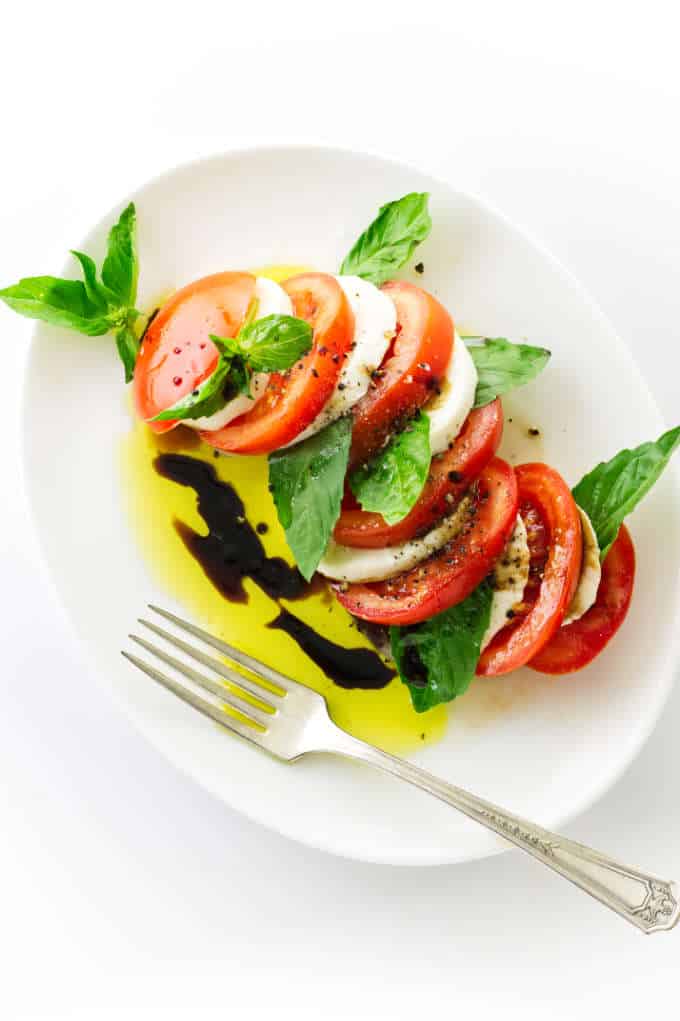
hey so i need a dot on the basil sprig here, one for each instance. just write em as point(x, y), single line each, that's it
point(392, 481)
point(502, 366)
point(388, 242)
point(307, 483)
point(96, 304)
point(614, 488)
point(270, 344)
point(437, 659)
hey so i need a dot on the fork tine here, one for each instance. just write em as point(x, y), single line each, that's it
point(254, 665)
point(207, 708)
point(218, 690)
point(214, 664)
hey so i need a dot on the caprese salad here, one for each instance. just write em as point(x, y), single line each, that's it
point(381, 424)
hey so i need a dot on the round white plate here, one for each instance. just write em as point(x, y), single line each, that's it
point(543, 747)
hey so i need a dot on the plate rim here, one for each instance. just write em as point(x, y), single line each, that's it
point(609, 777)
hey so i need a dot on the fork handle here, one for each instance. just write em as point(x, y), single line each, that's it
point(650, 903)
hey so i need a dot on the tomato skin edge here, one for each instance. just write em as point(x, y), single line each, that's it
point(577, 644)
point(514, 646)
point(177, 341)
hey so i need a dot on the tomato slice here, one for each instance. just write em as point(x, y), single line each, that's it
point(409, 372)
point(451, 474)
point(177, 353)
point(577, 644)
point(292, 401)
point(454, 571)
point(556, 546)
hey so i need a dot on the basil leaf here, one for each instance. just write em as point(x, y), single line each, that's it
point(307, 482)
point(205, 400)
point(502, 366)
point(240, 376)
point(614, 488)
point(274, 343)
point(90, 306)
point(391, 483)
point(128, 349)
point(227, 346)
point(58, 302)
point(438, 658)
point(120, 268)
point(99, 295)
point(390, 240)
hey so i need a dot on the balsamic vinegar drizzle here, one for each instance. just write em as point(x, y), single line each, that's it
point(349, 668)
point(232, 551)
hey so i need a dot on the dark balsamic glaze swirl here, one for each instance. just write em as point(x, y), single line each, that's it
point(232, 551)
point(349, 668)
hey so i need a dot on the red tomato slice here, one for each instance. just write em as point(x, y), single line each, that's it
point(451, 474)
point(452, 573)
point(556, 545)
point(292, 401)
point(409, 372)
point(177, 353)
point(577, 644)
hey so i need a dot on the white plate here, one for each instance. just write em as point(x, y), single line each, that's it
point(542, 747)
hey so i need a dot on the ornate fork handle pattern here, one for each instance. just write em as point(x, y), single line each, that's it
point(650, 903)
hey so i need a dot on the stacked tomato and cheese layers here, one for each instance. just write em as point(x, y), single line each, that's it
point(381, 355)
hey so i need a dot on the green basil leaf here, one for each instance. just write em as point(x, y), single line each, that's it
point(120, 268)
point(391, 483)
point(274, 343)
point(239, 378)
point(614, 488)
point(227, 346)
point(438, 658)
point(128, 349)
point(307, 482)
point(90, 305)
point(502, 366)
point(205, 400)
point(58, 302)
point(390, 240)
point(99, 295)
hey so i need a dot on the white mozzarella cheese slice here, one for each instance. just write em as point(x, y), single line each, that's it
point(448, 409)
point(591, 572)
point(351, 564)
point(511, 575)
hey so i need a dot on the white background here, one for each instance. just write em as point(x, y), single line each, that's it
point(125, 891)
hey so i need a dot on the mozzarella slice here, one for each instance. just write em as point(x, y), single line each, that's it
point(510, 577)
point(591, 572)
point(375, 321)
point(448, 409)
point(272, 300)
point(350, 564)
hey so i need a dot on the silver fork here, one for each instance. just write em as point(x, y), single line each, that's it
point(290, 720)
